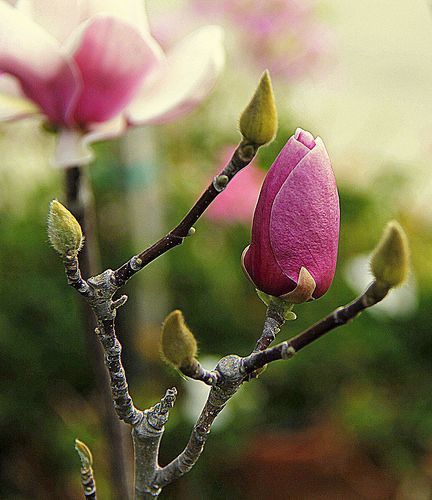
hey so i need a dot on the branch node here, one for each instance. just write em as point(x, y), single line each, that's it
point(136, 263)
point(220, 182)
point(157, 416)
point(191, 231)
point(287, 351)
point(119, 302)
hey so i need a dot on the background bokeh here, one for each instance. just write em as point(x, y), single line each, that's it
point(350, 417)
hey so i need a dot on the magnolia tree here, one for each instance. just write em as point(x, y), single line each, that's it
point(291, 260)
point(292, 255)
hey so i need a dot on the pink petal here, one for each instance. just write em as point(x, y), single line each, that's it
point(108, 130)
point(131, 11)
point(13, 105)
point(113, 59)
point(259, 259)
point(188, 76)
point(305, 232)
point(57, 17)
point(71, 150)
point(61, 17)
point(72, 146)
point(46, 75)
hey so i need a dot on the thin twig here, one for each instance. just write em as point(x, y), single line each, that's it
point(87, 476)
point(273, 323)
point(339, 317)
point(198, 372)
point(242, 156)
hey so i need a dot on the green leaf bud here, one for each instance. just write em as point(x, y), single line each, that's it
point(259, 122)
point(178, 345)
point(64, 231)
point(390, 259)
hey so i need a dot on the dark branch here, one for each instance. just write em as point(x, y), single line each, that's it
point(242, 156)
point(339, 317)
point(123, 403)
point(198, 372)
point(273, 323)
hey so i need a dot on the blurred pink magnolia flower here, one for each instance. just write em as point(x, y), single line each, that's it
point(284, 36)
point(92, 68)
point(235, 205)
point(296, 221)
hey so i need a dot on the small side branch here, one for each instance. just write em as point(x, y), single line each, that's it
point(147, 434)
point(339, 317)
point(73, 274)
point(87, 476)
point(242, 156)
point(273, 323)
point(198, 372)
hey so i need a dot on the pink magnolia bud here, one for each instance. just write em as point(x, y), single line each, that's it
point(296, 223)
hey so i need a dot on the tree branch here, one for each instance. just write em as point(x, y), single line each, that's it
point(87, 476)
point(147, 434)
point(198, 372)
point(374, 294)
point(242, 156)
point(274, 321)
point(123, 403)
point(229, 380)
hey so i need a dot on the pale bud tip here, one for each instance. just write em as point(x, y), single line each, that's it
point(259, 122)
point(64, 231)
point(390, 259)
point(84, 454)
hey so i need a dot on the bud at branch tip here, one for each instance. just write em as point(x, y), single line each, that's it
point(64, 231)
point(178, 345)
point(390, 259)
point(258, 122)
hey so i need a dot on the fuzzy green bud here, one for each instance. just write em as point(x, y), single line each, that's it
point(259, 122)
point(178, 345)
point(390, 259)
point(64, 231)
point(84, 454)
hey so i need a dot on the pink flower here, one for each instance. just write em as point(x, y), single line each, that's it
point(285, 36)
point(92, 68)
point(236, 203)
point(296, 221)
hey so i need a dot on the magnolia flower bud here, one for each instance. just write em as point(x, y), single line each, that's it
point(296, 224)
point(258, 122)
point(178, 344)
point(64, 231)
point(390, 259)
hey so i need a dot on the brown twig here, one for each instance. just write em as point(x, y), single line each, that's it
point(242, 156)
point(339, 317)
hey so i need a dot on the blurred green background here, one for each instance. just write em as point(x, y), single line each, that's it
point(351, 416)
